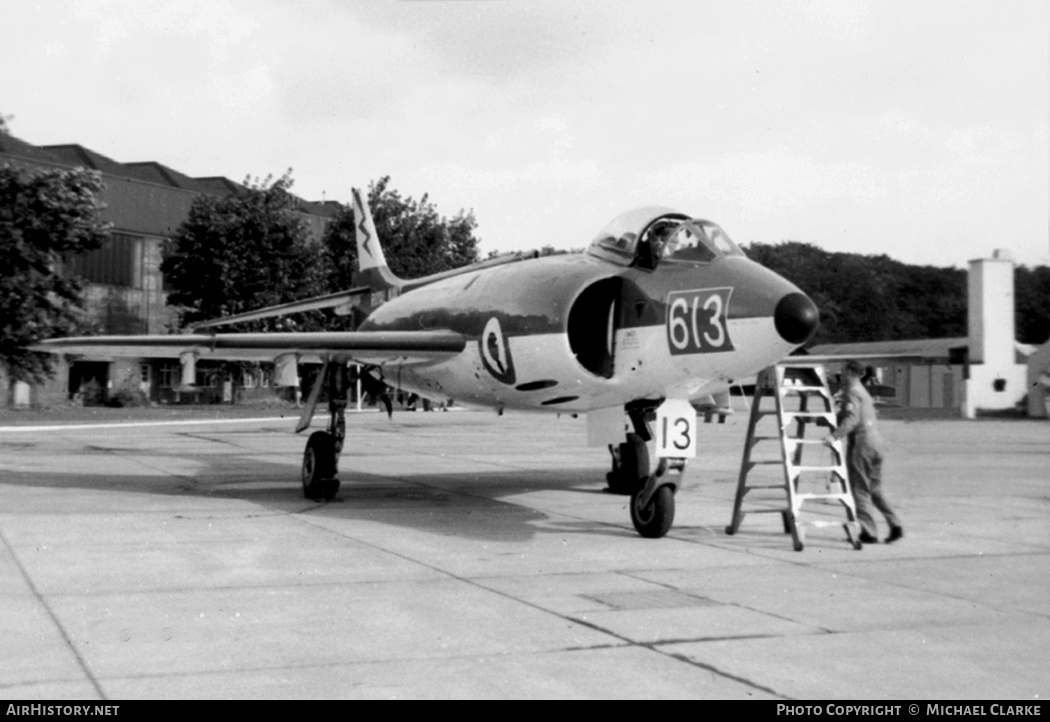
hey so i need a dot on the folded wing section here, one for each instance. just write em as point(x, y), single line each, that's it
point(341, 302)
point(378, 348)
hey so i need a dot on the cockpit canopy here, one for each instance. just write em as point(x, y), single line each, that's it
point(648, 237)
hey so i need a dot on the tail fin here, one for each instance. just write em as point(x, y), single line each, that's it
point(371, 263)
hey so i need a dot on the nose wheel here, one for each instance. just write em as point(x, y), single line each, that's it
point(652, 506)
point(653, 519)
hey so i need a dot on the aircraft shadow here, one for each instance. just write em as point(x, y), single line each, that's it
point(469, 505)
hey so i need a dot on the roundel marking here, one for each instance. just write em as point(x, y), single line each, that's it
point(495, 353)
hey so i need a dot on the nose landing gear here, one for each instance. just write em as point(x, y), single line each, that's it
point(652, 493)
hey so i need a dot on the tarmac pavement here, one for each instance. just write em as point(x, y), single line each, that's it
point(475, 556)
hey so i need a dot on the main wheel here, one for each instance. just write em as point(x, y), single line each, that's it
point(655, 519)
point(633, 469)
point(319, 480)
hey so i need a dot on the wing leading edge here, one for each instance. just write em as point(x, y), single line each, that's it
point(378, 348)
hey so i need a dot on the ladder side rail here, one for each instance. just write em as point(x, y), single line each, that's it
point(746, 465)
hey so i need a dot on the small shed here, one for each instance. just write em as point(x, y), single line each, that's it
point(1039, 382)
point(925, 373)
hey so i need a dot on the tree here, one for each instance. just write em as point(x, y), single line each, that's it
point(1032, 294)
point(416, 240)
point(242, 252)
point(46, 217)
point(870, 298)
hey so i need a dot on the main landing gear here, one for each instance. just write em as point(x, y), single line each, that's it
point(321, 457)
point(652, 494)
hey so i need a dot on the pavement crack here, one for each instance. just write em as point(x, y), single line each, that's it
point(655, 647)
point(81, 662)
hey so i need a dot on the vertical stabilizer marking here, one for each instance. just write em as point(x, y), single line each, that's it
point(370, 254)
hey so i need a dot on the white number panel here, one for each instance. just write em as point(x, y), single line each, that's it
point(676, 430)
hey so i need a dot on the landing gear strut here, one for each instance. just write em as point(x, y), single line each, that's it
point(321, 457)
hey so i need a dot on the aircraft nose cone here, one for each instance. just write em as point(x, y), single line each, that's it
point(796, 318)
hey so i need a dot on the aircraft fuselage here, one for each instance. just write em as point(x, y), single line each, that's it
point(574, 332)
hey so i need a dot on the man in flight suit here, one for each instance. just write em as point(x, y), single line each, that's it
point(864, 456)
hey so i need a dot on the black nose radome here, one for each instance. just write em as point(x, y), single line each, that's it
point(796, 318)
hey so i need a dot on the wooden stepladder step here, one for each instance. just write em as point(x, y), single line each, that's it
point(812, 472)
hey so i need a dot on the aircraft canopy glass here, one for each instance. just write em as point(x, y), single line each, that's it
point(650, 236)
point(697, 241)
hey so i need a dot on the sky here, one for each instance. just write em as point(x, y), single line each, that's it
point(919, 129)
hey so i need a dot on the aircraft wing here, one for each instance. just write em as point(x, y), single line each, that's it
point(341, 302)
point(803, 359)
point(378, 348)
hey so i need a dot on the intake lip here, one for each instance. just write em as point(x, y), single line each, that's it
point(796, 318)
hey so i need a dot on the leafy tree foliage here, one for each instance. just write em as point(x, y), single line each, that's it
point(46, 217)
point(242, 252)
point(1032, 299)
point(416, 240)
point(871, 298)
point(340, 242)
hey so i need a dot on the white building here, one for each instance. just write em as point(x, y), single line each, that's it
point(997, 379)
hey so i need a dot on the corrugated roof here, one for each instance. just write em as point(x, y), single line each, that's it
point(78, 155)
point(11, 145)
point(159, 173)
point(73, 154)
point(218, 185)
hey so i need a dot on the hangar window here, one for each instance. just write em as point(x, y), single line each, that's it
point(170, 375)
point(117, 263)
point(207, 377)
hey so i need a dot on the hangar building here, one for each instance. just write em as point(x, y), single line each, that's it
point(145, 202)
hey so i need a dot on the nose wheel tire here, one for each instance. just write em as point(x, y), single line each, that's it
point(653, 520)
point(319, 463)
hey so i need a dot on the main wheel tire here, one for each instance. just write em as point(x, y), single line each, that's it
point(633, 469)
point(655, 519)
point(319, 480)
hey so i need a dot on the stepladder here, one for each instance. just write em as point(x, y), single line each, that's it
point(786, 458)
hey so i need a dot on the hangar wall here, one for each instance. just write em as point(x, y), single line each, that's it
point(124, 289)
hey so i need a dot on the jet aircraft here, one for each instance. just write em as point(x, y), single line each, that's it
point(662, 308)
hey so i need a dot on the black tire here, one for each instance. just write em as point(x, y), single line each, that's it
point(654, 520)
point(633, 469)
point(319, 480)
